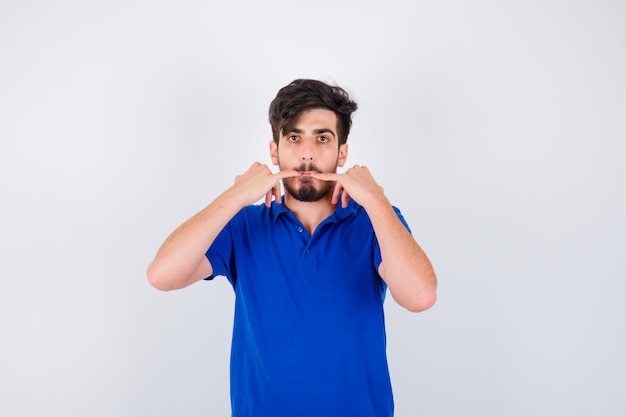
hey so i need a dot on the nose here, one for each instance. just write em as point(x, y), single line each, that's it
point(307, 151)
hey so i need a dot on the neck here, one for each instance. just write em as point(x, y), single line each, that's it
point(310, 214)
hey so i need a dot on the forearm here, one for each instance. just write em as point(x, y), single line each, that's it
point(179, 259)
point(405, 268)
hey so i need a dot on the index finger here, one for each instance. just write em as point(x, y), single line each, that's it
point(287, 173)
point(325, 176)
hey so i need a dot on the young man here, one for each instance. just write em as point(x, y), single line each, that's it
point(309, 270)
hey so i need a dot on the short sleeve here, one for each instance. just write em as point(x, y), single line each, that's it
point(220, 254)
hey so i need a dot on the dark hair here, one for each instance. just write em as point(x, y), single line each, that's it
point(301, 95)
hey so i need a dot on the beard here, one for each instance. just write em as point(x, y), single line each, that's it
point(307, 191)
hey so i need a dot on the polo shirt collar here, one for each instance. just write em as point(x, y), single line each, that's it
point(339, 214)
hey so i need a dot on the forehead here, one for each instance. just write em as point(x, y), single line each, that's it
point(315, 119)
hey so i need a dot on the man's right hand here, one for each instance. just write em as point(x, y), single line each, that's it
point(259, 181)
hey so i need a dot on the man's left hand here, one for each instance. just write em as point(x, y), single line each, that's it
point(356, 183)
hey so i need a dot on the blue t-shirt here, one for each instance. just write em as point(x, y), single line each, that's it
point(309, 331)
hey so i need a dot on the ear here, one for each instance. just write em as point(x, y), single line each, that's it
point(343, 155)
point(274, 152)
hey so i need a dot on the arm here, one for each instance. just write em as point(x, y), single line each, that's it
point(181, 260)
point(405, 268)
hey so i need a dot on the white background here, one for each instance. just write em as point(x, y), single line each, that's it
point(498, 128)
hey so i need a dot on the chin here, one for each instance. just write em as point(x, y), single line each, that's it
point(307, 192)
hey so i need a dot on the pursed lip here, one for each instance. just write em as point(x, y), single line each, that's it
point(306, 177)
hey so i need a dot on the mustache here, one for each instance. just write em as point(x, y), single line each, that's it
point(308, 168)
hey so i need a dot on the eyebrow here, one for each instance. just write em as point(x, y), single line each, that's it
point(315, 131)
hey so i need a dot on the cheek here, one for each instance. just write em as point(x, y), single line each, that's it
point(330, 162)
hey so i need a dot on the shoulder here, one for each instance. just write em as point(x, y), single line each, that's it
point(359, 210)
point(361, 213)
point(258, 214)
point(252, 212)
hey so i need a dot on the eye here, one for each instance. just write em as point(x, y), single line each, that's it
point(292, 138)
point(323, 139)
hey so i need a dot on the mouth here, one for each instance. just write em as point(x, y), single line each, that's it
point(306, 177)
